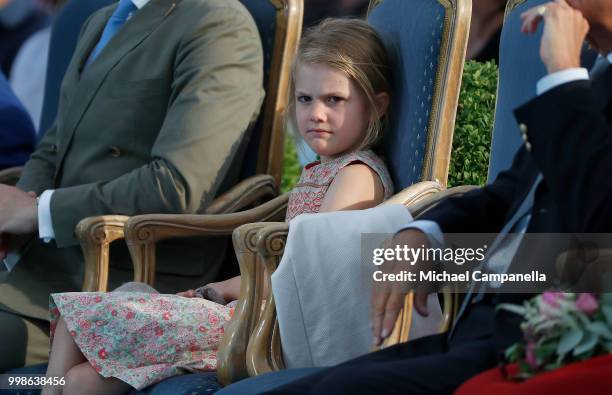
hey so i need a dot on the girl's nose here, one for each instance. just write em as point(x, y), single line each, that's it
point(317, 112)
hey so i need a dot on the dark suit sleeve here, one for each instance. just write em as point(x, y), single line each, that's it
point(572, 146)
point(482, 210)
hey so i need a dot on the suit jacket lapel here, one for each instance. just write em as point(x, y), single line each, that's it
point(135, 31)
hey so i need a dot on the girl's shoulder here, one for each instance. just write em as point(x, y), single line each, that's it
point(374, 162)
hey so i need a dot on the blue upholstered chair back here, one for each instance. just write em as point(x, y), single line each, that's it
point(64, 36)
point(426, 42)
point(520, 68)
point(264, 14)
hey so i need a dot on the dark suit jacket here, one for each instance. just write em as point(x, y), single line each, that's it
point(152, 125)
point(17, 135)
point(570, 132)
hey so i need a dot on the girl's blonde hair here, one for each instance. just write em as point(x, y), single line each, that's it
point(354, 48)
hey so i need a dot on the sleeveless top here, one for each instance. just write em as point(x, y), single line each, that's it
point(308, 194)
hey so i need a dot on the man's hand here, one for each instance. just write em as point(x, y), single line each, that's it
point(18, 211)
point(387, 298)
point(565, 30)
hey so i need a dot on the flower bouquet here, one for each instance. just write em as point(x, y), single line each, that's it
point(560, 328)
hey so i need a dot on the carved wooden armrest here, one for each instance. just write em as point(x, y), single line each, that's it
point(245, 193)
point(264, 352)
point(415, 193)
point(142, 232)
point(95, 235)
point(11, 175)
point(231, 357)
point(421, 206)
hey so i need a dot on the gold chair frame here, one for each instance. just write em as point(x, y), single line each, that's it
point(251, 345)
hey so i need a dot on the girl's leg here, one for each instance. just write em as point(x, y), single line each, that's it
point(64, 355)
point(83, 379)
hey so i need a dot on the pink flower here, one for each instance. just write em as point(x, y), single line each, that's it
point(587, 303)
point(213, 319)
point(84, 324)
point(552, 298)
point(530, 356)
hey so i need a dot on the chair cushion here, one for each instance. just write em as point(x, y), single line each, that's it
point(413, 42)
point(520, 68)
point(587, 377)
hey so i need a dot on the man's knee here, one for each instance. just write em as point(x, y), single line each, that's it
point(14, 341)
point(23, 341)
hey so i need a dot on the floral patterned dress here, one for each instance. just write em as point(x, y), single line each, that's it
point(308, 194)
point(142, 338)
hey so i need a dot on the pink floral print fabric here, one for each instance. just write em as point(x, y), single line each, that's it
point(142, 338)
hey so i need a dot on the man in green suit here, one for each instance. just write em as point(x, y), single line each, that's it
point(153, 107)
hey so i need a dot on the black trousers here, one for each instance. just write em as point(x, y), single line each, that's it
point(430, 365)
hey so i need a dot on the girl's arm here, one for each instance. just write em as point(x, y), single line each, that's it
point(356, 187)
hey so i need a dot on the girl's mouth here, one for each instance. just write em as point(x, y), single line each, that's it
point(319, 131)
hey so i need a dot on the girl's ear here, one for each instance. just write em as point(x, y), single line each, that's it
point(382, 103)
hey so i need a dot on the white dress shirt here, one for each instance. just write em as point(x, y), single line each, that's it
point(45, 224)
point(546, 83)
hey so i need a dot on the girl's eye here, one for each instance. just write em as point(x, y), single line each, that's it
point(335, 99)
point(304, 99)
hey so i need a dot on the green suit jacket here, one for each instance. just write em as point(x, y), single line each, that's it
point(150, 126)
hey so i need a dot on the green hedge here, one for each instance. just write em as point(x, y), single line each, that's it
point(291, 165)
point(472, 139)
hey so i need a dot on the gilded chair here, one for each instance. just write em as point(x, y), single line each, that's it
point(520, 68)
point(279, 25)
point(426, 40)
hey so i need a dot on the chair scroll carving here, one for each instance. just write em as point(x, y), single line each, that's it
point(144, 231)
point(95, 235)
point(264, 352)
point(231, 365)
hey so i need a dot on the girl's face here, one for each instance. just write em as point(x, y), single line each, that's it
point(331, 112)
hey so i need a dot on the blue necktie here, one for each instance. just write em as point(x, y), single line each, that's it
point(124, 9)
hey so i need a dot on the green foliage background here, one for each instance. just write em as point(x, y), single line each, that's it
point(472, 138)
point(474, 124)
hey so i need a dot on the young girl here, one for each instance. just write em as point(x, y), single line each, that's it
point(109, 343)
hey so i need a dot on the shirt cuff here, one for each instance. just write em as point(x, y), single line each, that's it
point(432, 231)
point(553, 80)
point(45, 226)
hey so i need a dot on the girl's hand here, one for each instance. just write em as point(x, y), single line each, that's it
point(190, 293)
